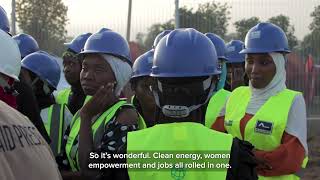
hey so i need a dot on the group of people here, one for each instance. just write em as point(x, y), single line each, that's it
point(192, 92)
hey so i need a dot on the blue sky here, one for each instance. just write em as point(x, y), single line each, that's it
point(91, 15)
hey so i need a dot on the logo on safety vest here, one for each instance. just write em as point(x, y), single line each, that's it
point(228, 123)
point(178, 173)
point(264, 127)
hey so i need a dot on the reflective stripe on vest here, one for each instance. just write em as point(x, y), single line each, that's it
point(265, 129)
point(215, 105)
point(56, 123)
point(97, 127)
point(178, 137)
point(132, 99)
point(63, 96)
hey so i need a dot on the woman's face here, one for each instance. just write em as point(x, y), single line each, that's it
point(95, 73)
point(71, 69)
point(235, 72)
point(260, 69)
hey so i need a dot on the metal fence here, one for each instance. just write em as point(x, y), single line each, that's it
point(90, 16)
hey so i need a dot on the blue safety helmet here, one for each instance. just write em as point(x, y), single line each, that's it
point(265, 38)
point(219, 45)
point(109, 42)
point(233, 49)
point(143, 64)
point(4, 21)
point(44, 65)
point(77, 43)
point(159, 37)
point(27, 44)
point(185, 53)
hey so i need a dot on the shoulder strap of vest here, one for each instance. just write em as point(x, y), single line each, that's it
point(233, 102)
point(63, 95)
point(215, 105)
point(141, 122)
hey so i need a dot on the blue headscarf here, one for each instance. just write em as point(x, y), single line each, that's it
point(223, 76)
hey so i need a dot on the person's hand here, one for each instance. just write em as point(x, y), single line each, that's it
point(100, 100)
point(262, 164)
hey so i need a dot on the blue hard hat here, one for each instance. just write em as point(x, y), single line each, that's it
point(77, 43)
point(159, 37)
point(219, 45)
point(107, 41)
point(44, 65)
point(265, 38)
point(27, 44)
point(233, 52)
point(4, 21)
point(185, 53)
point(143, 64)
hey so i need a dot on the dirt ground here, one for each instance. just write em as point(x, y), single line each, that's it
point(313, 167)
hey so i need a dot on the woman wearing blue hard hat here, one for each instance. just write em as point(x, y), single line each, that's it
point(74, 96)
point(26, 98)
point(217, 102)
point(106, 69)
point(141, 82)
point(266, 113)
point(44, 72)
point(41, 72)
point(235, 65)
point(141, 85)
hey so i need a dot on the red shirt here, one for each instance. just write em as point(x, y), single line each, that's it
point(284, 160)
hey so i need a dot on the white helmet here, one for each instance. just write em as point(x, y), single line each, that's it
point(10, 58)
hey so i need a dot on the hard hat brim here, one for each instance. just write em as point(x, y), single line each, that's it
point(223, 58)
point(100, 52)
point(141, 75)
point(235, 60)
point(172, 75)
point(39, 75)
point(67, 44)
point(10, 75)
point(259, 50)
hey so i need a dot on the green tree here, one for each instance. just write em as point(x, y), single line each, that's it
point(311, 42)
point(208, 17)
point(244, 25)
point(230, 36)
point(154, 30)
point(45, 20)
point(284, 22)
point(315, 25)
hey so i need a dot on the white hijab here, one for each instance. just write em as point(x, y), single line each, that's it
point(278, 83)
point(121, 69)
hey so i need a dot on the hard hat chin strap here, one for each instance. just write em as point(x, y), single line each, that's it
point(178, 111)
